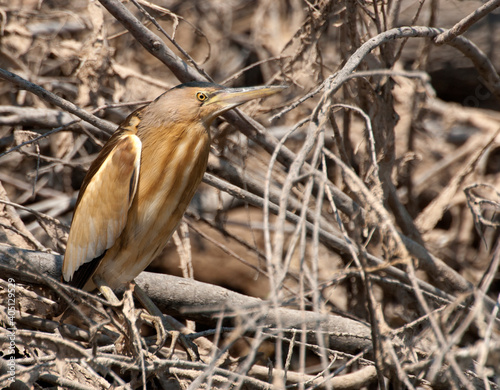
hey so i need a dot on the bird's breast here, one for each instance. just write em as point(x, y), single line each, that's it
point(170, 173)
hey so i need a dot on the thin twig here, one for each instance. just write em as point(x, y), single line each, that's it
point(467, 22)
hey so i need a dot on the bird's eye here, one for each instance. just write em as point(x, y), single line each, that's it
point(201, 96)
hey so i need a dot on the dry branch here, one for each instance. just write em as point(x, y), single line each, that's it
point(467, 22)
point(50, 97)
point(199, 301)
point(346, 237)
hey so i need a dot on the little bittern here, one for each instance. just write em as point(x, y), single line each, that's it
point(136, 191)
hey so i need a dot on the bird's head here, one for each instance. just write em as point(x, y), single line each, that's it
point(199, 102)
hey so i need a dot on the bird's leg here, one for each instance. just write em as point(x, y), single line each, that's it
point(167, 322)
point(110, 296)
point(159, 321)
point(106, 291)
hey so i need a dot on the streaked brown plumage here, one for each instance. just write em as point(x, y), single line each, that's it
point(137, 189)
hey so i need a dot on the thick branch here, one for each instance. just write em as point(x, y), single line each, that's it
point(191, 299)
point(57, 101)
point(40, 117)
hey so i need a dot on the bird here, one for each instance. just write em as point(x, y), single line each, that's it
point(136, 191)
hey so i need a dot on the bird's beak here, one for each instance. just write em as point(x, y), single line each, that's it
point(232, 97)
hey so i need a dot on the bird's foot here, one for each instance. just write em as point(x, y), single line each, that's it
point(173, 327)
point(161, 333)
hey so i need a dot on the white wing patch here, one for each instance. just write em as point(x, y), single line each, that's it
point(101, 214)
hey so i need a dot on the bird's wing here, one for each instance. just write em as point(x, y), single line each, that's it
point(102, 206)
